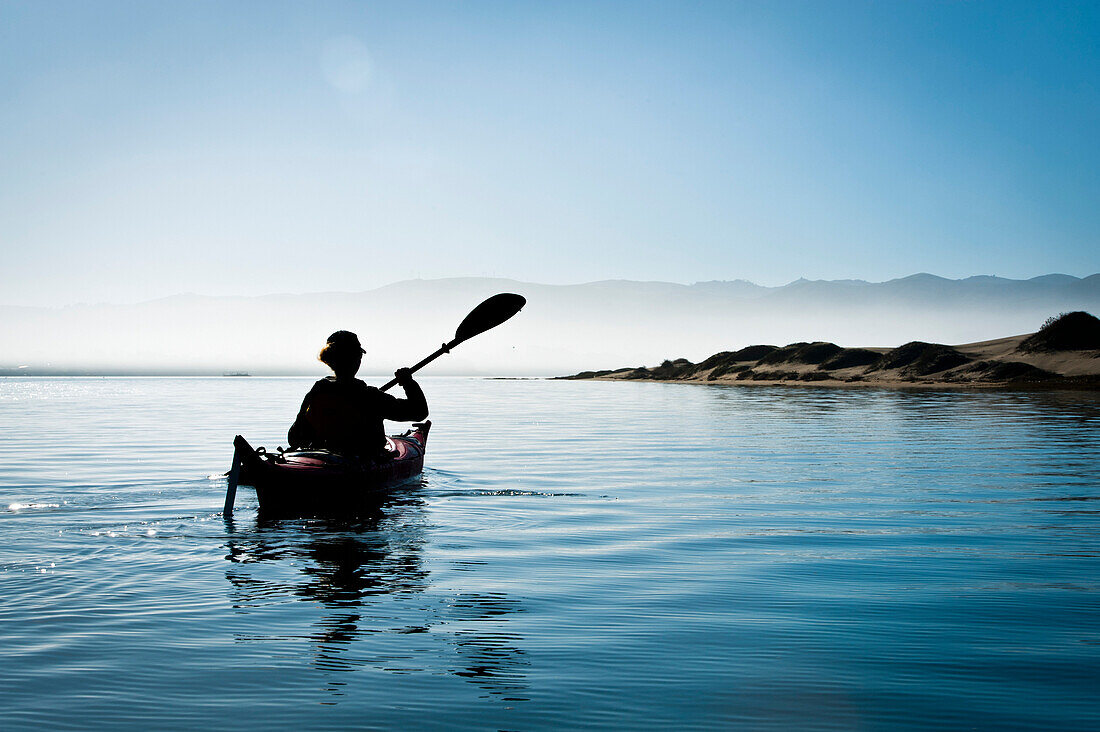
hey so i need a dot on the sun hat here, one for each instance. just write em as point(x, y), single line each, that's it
point(346, 338)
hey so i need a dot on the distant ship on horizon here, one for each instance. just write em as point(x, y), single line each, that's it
point(236, 373)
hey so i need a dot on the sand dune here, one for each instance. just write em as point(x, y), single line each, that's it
point(1065, 352)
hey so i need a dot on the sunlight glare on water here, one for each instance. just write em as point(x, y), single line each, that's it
point(605, 555)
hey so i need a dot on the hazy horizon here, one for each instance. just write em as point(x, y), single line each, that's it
point(563, 328)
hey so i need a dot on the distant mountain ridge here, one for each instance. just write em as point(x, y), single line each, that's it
point(564, 328)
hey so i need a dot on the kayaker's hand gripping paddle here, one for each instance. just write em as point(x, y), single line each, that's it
point(485, 316)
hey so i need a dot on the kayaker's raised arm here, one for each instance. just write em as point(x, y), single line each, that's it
point(413, 408)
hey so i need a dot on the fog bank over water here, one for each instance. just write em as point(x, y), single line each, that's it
point(563, 329)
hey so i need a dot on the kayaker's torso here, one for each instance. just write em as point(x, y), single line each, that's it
point(345, 415)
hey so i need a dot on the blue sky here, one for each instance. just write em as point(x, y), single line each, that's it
point(245, 148)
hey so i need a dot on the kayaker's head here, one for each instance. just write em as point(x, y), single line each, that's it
point(342, 353)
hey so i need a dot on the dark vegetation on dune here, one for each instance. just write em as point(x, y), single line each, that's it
point(848, 358)
point(731, 362)
point(727, 368)
point(810, 353)
point(914, 361)
point(1010, 371)
point(1078, 331)
point(753, 353)
point(920, 359)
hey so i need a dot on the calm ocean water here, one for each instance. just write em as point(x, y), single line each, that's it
point(596, 555)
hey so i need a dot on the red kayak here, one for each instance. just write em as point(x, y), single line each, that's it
point(319, 482)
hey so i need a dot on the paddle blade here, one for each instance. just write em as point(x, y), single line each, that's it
point(489, 314)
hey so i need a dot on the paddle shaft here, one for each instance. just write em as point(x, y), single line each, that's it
point(445, 348)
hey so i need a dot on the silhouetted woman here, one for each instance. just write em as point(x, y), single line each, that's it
point(342, 414)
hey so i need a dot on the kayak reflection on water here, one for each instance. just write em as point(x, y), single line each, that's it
point(368, 599)
point(344, 415)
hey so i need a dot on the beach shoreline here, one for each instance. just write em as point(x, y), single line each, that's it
point(1081, 384)
point(1064, 354)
